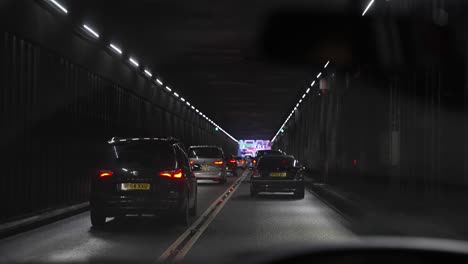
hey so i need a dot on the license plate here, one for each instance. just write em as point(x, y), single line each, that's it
point(205, 166)
point(278, 174)
point(134, 186)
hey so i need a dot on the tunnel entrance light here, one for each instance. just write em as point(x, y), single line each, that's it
point(160, 83)
point(167, 88)
point(148, 73)
point(115, 48)
point(368, 6)
point(59, 6)
point(133, 61)
point(91, 31)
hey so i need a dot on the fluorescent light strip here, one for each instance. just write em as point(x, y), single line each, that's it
point(368, 6)
point(326, 64)
point(182, 99)
point(312, 84)
point(193, 107)
point(320, 74)
point(169, 89)
point(59, 6)
point(148, 73)
point(116, 49)
point(308, 90)
point(176, 94)
point(134, 62)
point(187, 103)
point(196, 110)
point(90, 30)
point(159, 82)
point(300, 101)
point(304, 95)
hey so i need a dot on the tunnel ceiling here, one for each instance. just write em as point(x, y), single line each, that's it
point(209, 52)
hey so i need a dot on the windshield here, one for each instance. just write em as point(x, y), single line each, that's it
point(217, 131)
point(200, 153)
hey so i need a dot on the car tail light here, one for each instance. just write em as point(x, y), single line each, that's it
point(192, 162)
point(232, 161)
point(254, 161)
point(103, 174)
point(171, 174)
point(218, 162)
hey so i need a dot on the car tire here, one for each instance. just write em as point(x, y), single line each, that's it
point(193, 210)
point(299, 194)
point(223, 180)
point(98, 219)
point(253, 192)
point(182, 217)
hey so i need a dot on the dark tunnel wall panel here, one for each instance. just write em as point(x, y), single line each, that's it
point(56, 118)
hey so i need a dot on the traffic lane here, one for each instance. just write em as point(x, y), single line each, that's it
point(131, 238)
point(245, 224)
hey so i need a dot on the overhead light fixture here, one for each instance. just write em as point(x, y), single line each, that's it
point(312, 84)
point(148, 73)
point(368, 6)
point(320, 74)
point(304, 95)
point(182, 99)
point(133, 61)
point(308, 90)
point(300, 101)
point(91, 31)
point(297, 105)
point(159, 82)
point(196, 110)
point(115, 48)
point(187, 103)
point(193, 107)
point(326, 64)
point(59, 6)
point(176, 94)
point(169, 89)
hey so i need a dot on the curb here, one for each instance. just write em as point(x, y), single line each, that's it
point(15, 227)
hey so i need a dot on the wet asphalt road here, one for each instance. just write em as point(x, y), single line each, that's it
point(242, 224)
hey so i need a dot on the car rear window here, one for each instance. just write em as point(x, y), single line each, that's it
point(267, 163)
point(205, 153)
point(158, 155)
point(269, 152)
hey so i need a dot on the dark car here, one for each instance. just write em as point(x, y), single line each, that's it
point(277, 174)
point(144, 176)
point(231, 164)
point(262, 153)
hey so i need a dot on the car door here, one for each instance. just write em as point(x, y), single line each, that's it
point(189, 177)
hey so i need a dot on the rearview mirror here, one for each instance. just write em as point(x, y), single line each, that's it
point(196, 167)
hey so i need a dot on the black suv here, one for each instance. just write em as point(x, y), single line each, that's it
point(144, 176)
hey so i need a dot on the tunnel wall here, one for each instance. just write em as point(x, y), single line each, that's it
point(62, 97)
point(402, 129)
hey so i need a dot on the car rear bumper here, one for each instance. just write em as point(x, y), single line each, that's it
point(118, 205)
point(210, 175)
point(277, 185)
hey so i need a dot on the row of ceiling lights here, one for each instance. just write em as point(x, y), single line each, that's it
point(371, 2)
point(298, 103)
point(116, 49)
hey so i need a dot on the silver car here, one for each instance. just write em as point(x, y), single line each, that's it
point(211, 160)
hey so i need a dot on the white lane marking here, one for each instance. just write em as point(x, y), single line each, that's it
point(207, 216)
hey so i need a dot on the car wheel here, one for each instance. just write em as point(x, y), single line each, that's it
point(98, 219)
point(253, 192)
point(299, 194)
point(182, 217)
point(223, 180)
point(193, 210)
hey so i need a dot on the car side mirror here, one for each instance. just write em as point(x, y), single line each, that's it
point(196, 167)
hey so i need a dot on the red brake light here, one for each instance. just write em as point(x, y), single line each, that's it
point(192, 162)
point(218, 162)
point(254, 161)
point(232, 161)
point(171, 174)
point(103, 174)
